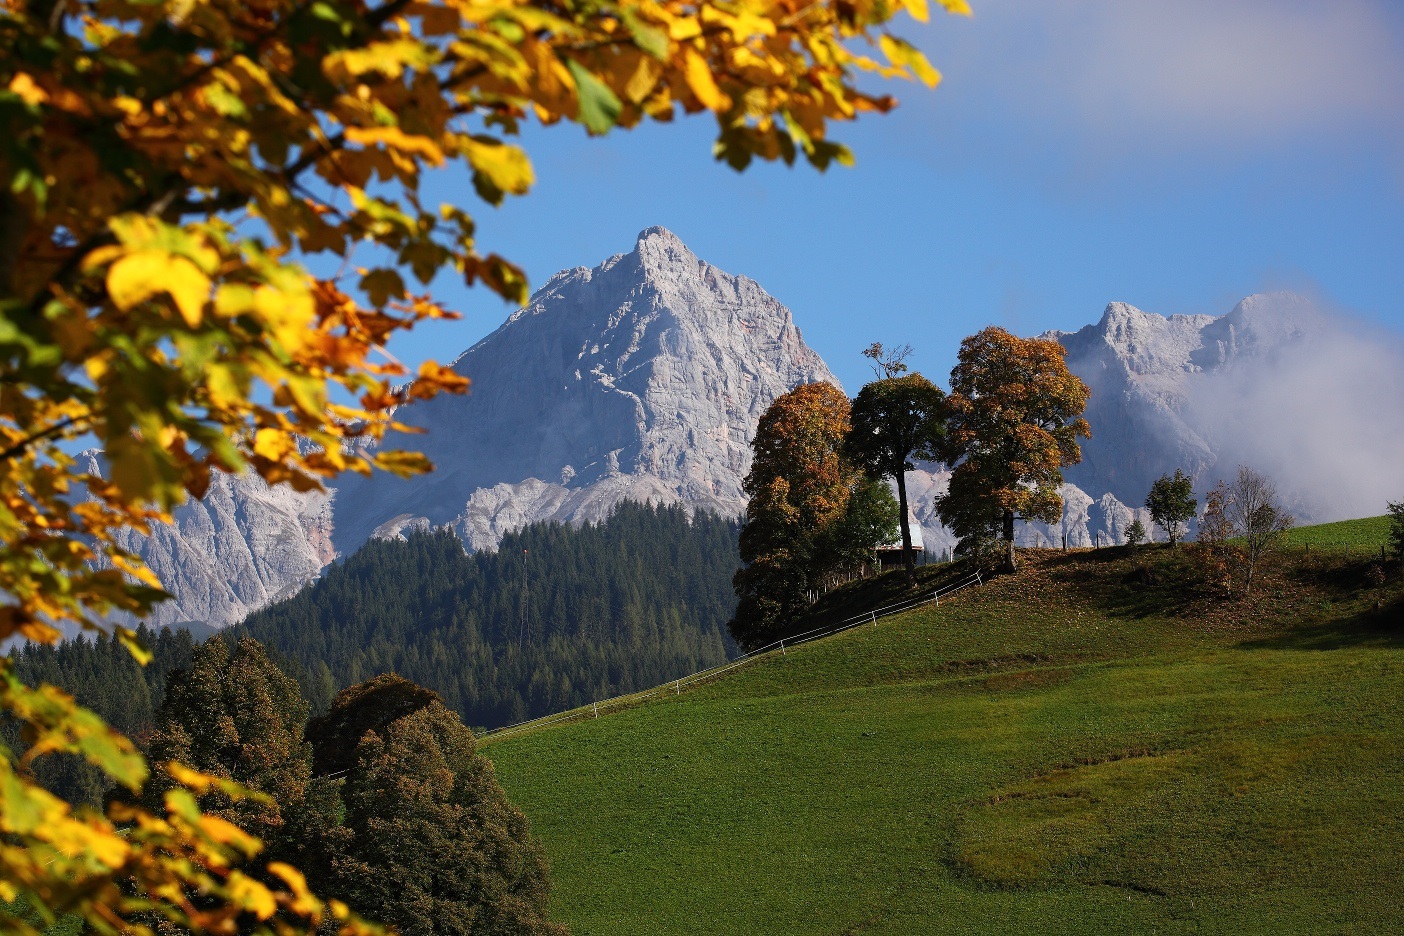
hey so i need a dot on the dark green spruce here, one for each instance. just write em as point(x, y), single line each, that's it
point(101, 674)
point(556, 618)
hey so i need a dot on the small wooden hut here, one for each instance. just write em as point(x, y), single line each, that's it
point(890, 555)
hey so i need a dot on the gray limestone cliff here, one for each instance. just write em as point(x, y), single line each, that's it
point(243, 545)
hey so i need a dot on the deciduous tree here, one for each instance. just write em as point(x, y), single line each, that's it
point(869, 521)
point(1014, 416)
point(430, 843)
point(1214, 543)
point(799, 486)
point(1172, 504)
point(887, 362)
point(168, 164)
point(894, 421)
point(234, 715)
point(1258, 518)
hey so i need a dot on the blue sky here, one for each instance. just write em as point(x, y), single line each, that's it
point(1174, 155)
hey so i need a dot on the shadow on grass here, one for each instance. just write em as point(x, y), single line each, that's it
point(860, 597)
point(1379, 626)
point(1156, 580)
point(1095, 556)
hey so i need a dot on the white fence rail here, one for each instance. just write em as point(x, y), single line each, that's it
point(678, 685)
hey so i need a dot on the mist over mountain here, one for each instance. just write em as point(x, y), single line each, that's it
point(643, 379)
point(1311, 398)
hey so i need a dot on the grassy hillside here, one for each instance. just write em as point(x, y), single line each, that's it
point(1365, 535)
point(1095, 744)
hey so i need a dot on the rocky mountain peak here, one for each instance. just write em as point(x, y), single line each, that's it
point(1263, 324)
point(1123, 314)
point(659, 249)
point(642, 377)
point(1149, 376)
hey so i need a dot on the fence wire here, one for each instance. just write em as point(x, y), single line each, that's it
point(676, 686)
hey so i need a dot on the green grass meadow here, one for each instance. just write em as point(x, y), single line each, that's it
point(1365, 536)
point(1090, 745)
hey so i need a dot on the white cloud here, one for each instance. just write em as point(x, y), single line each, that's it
point(1319, 415)
point(1135, 74)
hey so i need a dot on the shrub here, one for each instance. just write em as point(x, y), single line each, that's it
point(1135, 533)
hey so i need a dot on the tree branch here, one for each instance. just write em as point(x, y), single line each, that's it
point(57, 428)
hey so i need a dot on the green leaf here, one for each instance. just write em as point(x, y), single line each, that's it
point(225, 102)
point(181, 803)
point(325, 11)
point(650, 38)
point(825, 152)
point(599, 107)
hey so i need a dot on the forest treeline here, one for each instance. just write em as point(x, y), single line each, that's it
point(558, 617)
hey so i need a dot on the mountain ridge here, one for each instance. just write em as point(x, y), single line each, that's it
point(642, 378)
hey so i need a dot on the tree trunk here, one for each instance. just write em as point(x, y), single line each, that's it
point(14, 224)
point(907, 562)
point(1009, 563)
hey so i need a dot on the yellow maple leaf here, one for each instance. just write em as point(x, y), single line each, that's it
point(395, 138)
point(699, 78)
point(300, 897)
point(139, 276)
point(506, 166)
point(252, 895)
point(272, 444)
point(29, 92)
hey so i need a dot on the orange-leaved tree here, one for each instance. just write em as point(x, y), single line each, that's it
point(1013, 418)
point(799, 485)
point(167, 166)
